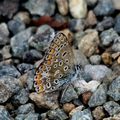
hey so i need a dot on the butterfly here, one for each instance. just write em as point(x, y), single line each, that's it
point(57, 64)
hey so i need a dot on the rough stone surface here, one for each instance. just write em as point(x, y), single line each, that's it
point(104, 7)
point(19, 42)
point(40, 7)
point(9, 70)
point(68, 94)
point(78, 8)
point(114, 88)
point(99, 97)
point(97, 72)
point(112, 107)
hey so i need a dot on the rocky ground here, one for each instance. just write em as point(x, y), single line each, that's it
point(26, 27)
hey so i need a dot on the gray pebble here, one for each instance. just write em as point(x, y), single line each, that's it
point(112, 107)
point(104, 7)
point(40, 7)
point(99, 97)
point(108, 36)
point(16, 26)
point(114, 89)
point(4, 115)
point(82, 115)
point(95, 59)
point(19, 42)
point(9, 70)
point(97, 72)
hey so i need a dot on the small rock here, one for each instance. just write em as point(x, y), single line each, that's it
point(5, 93)
point(115, 55)
point(80, 58)
point(86, 96)
point(106, 23)
point(99, 96)
point(25, 109)
point(15, 26)
point(23, 16)
point(95, 59)
point(91, 3)
point(82, 115)
point(104, 7)
point(117, 23)
point(32, 55)
point(112, 107)
point(116, 4)
point(62, 6)
point(9, 8)
point(77, 102)
point(116, 47)
point(76, 24)
point(57, 114)
point(91, 19)
point(108, 36)
point(82, 86)
point(4, 115)
point(78, 8)
point(19, 42)
point(10, 86)
point(6, 52)
point(97, 72)
point(114, 89)
point(106, 58)
point(40, 7)
point(118, 60)
point(4, 33)
point(29, 116)
point(42, 38)
point(88, 44)
point(49, 101)
point(9, 70)
point(4, 29)
point(68, 94)
point(21, 97)
point(27, 79)
point(24, 67)
point(98, 113)
point(67, 107)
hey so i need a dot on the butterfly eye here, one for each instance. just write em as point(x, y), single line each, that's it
point(48, 79)
point(60, 63)
point(55, 65)
point(64, 54)
point(65, 68)
point(56, 81)
point(48, 85)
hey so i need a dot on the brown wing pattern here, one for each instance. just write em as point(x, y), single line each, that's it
point(58, 62)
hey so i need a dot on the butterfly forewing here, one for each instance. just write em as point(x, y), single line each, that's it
point(56, 64)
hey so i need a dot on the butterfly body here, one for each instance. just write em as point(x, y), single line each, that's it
point(57, 64)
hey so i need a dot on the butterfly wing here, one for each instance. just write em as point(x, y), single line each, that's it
point(57, 63)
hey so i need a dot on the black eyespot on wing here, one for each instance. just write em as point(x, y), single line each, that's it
point(64, 54)
point(55, 66)
point(61, 63)
point(48, 85)
point(56, 81)
point(65, 68)
point(66, 60)
point(60, 75)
